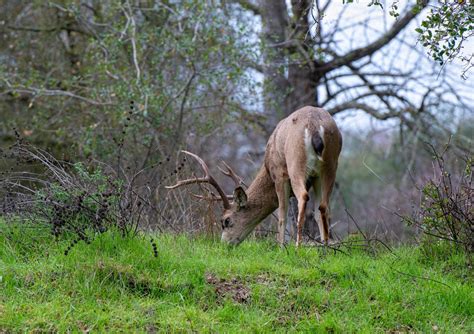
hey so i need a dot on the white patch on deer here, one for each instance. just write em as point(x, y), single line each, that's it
point(312, 165)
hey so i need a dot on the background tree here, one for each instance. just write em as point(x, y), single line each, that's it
point(70, 72)
point(348, 64)
point(135, 81)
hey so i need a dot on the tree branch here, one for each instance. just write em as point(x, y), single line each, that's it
point(37, 92)
point(368, 50)
point(365, 107)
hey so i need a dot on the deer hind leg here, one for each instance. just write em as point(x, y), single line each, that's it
point(299, 189)
point(316, 184)
point(327, 183)
point(283, 192)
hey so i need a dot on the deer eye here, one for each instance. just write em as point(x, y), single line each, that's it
point(226, 223)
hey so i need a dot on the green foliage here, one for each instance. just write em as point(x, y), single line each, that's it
point(180, 63)
point(446, 28)
point(117, 285)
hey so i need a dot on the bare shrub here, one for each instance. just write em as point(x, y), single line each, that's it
point(446, 210)
point(84, 199)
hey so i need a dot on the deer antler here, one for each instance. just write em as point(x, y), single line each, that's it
point(230, 173)
point(212, 197)
point(206, 179)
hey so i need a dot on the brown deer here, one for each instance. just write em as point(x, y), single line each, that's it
point(302, 152)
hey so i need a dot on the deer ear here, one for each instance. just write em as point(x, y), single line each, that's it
point(240, 197)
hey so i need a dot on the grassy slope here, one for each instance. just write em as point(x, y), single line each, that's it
point(117, 285)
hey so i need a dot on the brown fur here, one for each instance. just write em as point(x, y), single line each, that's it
point(285, 170)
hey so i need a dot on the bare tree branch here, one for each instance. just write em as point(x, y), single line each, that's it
point(368, 50)
point(37, 92)
point(354, 105)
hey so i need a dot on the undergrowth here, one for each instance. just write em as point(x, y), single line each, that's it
point(446, 211)
point(118, 284)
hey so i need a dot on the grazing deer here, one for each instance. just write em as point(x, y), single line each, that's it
point(302, 152)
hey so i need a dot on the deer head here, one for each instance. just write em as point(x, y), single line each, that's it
point(239, 216)
point(301, 153)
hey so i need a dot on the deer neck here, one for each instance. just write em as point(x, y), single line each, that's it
point(262, 197)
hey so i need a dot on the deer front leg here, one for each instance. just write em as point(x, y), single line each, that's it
point(283, 192)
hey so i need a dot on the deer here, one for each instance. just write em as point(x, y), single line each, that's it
point(301, 154)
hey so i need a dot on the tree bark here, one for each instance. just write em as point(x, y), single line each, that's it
point(275, 21)
point(300, 74)
point(288, 66)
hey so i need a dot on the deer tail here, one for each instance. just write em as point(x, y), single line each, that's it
point(318, 142)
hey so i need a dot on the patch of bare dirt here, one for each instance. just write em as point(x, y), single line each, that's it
point(232, 288)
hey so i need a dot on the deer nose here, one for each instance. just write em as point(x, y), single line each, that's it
point(225, 238)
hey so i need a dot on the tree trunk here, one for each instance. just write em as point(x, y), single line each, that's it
point(302, 88)
point(275, 21)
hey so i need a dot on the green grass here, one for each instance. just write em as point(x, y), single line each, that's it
point(117, 285)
